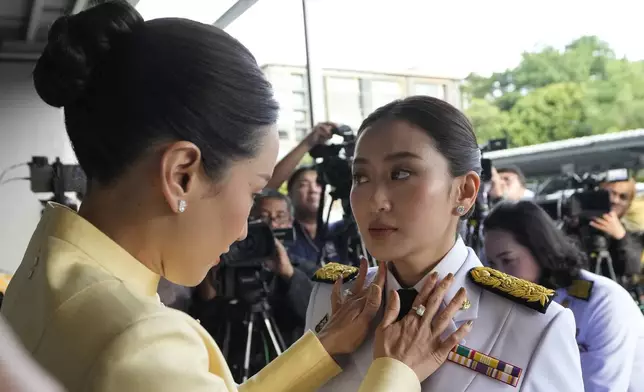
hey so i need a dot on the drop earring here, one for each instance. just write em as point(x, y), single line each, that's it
point(182, 206)
point(460, 210)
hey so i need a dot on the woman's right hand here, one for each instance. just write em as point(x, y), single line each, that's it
point(415, 340)
point(351, 314)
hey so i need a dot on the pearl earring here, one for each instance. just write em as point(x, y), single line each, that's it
point(182, 205)
point(460, 210)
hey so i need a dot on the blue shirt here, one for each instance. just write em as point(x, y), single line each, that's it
point(307, 248)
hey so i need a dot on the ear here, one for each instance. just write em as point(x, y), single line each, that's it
point(467, 191)
point(180, 170)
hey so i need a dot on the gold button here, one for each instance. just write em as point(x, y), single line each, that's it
point(31, 273)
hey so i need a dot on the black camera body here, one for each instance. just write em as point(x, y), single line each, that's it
point(584, 200)
point(257, 247)
point(334, 167)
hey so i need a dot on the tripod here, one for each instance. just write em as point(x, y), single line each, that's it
point(258, 321)
point(600, 255)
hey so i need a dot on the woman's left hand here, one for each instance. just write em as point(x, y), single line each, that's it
point(352, 314)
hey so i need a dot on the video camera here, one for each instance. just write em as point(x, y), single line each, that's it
point(486, 164)
point(57, 178)
point(335, 168)
point(581, 198)
point(257, 247)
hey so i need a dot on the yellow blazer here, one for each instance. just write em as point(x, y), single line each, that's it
point(88, 312)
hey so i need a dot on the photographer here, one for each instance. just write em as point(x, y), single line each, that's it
point(283, 171)
point(522, 240)
point(508, 183)
point(305, 193)
point(292, 284)
point(624, 249)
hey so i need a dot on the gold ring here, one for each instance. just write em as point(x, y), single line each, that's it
point(466, 304)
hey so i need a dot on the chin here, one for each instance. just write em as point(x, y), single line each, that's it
point(386, 253)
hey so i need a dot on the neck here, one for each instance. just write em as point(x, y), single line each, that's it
point(309, 221)
point(411, 269)
point(120, 220)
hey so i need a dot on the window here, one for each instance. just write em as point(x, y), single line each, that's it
point(300, 116)
point(284, 134)
point(384, 91)
point(430, 89)
point(298, 82)
point(299, 100)
point(343, 101)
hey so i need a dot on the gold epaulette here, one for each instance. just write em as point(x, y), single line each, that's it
point(333, 271)
point(518, 290)
point(580, 289)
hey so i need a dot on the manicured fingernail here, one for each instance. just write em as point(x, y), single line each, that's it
point(470, 323)
point(450, 276)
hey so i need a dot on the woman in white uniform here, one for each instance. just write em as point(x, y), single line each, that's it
point(415, 177)
point(523, 241)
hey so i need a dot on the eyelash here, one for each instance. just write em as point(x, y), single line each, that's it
point(357, 176)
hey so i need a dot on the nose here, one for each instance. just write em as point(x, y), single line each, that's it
point(243, 233)
point(315, 188)
point(380, 200)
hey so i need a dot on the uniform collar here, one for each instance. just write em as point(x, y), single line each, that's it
point(66, 225)
point(459, 260)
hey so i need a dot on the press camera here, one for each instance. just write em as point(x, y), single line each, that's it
point(257, 247)
point(578, 198)
point(334, 167)
point(57, 178)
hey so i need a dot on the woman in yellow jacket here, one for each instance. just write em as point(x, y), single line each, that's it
point(173, 123)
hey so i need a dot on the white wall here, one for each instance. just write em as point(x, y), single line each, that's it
point(28, 127)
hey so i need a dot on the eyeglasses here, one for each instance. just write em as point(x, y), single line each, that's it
point(278, 219)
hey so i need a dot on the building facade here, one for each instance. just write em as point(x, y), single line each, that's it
point(348, 96)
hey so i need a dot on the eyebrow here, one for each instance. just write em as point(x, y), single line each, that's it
point(504, 253)
point(395, 156)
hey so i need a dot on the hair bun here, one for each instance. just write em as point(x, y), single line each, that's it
point(76, 45)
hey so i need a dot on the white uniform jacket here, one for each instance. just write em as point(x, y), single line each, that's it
point(542, 346)
point(610, 334)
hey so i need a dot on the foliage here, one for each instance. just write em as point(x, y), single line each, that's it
point(558, 94)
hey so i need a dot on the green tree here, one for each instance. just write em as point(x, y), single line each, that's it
point(558, 94)
point(553, 112)
point(491, 122)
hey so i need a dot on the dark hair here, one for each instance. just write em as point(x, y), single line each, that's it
point(513, 169)
point(127, 85)
point(450, 129)
point(268, 193)
point(558, 256)
point(296, 176)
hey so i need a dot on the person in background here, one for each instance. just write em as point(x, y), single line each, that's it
point(624, 247)
point(522, 240)
point(174, 124)
point(313, 241)
point(508, 183)
point(292, 284)
point(305, 192)
point(320, 134)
